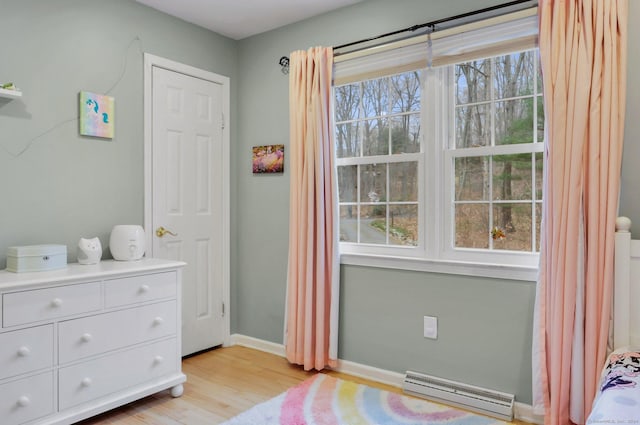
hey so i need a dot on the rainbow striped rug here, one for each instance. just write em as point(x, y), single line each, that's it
point(324, 400)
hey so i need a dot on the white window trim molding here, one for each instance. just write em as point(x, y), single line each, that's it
point(464, 268)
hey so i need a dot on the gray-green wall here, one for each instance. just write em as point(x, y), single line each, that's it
point(485, 325)
point(65, 186)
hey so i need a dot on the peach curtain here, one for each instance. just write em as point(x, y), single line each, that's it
point(583, 56)
point(311, 335)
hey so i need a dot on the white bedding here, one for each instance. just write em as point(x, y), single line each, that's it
point(618, 401)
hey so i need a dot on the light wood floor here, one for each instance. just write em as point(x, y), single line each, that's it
point(220, 384)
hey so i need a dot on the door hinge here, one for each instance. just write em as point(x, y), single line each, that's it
point(222, 117)
point(222, 309)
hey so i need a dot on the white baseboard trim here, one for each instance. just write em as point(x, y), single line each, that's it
point(522, 412)
point(258, 344)
point(382, 376)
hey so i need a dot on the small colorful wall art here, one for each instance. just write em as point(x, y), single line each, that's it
point(268, 159)
point(96, 115)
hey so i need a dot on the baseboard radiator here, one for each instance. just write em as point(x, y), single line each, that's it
point(469, 397)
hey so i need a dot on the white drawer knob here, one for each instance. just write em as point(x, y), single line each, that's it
point(56, 302)
point(158, 321)
point(86, 382)
point(158, 359)
point(24, 351)
point(24, 401)
point(144, 289)
point(86, 337)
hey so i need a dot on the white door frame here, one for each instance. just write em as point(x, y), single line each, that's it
point(151, 61)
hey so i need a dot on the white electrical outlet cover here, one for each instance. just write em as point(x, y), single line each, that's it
point(430, 327)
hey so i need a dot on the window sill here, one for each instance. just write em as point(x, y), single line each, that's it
point(498, 271)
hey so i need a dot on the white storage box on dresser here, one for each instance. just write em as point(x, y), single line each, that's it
point(36, 258)
point(82, 340)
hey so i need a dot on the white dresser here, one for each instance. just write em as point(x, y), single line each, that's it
point(79, 341)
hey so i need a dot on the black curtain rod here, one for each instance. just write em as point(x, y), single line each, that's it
point(432, 24)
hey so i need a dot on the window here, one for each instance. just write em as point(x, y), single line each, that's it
point(444, 165)
point(496, 153)
point(378, 139)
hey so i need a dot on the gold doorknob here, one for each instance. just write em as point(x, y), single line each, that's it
point(161, 231)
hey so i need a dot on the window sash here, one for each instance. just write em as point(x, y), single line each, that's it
point(451, 153)
point(386, 249)
point(450, 203)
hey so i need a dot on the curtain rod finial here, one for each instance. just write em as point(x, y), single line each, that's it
point(284, 63)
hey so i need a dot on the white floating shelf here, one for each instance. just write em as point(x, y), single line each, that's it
point(10, 94)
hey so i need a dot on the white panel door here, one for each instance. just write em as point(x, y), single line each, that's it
point(187, 154)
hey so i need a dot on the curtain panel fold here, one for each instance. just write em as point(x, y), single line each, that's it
point(583, 55)
point(311, 328)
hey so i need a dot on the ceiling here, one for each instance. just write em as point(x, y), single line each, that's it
point(239, 19)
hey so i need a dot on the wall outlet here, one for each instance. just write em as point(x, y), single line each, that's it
point(430, 327)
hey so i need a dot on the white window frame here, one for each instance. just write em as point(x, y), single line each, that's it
point(435, 252)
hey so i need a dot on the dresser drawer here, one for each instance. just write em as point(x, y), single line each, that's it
point(27, 399)
point(117, 372)
point(131, 290)
point(87, 336)
point(26, 350)
point(49, 303)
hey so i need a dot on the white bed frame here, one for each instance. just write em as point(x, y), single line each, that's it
point(626, 295)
